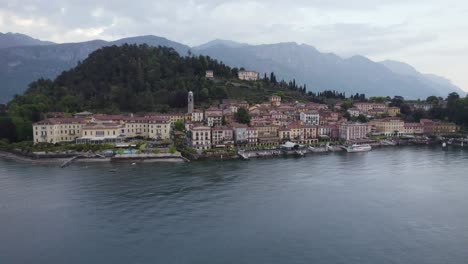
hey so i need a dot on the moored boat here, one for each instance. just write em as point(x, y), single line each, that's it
point(358, 148)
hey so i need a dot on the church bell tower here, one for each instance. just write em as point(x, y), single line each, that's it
point(190, 102)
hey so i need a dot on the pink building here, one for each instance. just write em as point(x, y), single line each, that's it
point(222, 135)
point(352, 131)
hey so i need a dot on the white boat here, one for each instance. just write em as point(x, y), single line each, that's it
point(358, 148)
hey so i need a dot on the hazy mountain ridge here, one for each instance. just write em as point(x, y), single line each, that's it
point(222, 42)
point(21, 65)
point(322, 71)
point(10, 39)
point(441, 84)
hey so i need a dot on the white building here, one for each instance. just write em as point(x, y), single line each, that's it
point(197, 115)
point(310, 117)
point(248, 75)
point(201, 137)
point(209, 74)
point(240, 134)
point(354, 112)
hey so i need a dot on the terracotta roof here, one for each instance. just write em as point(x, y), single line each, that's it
point(221, 128)
point(102, 125)
point(56, 121)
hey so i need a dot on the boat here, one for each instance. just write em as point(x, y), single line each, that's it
point(358, 148)
point(318, 149)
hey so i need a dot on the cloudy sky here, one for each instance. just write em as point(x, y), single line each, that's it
point(432, 35)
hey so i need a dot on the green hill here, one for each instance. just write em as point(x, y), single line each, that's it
point(133, 78)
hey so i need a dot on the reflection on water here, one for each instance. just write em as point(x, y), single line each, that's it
point(405, 205)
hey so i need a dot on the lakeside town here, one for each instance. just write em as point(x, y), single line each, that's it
point(235, 127)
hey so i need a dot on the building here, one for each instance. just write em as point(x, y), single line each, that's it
point(328, 131)
point(248, 75)
point(209, 74)
point(252, 135)
point(422, 106)
point(267, 134)
point(101, 132)
point(327, 116)
point(310, 117)
point(353, 131)
point(364, 107)
point(389, 126)
point(136, 127)
point(354, 112)
point(413, 129)
point(100, 129)
point(200, 137)
point(159, 129)
point(83, 114)
point(428, 126)
point(275, 100)
point(197, 115)
point(393, 111)
point(222, 136)
point(172, 117)
point(284, 134)
point(240, 134)
point(442, 128)
point(214, 116)
point(55, 130)
point(309, 134)
point(190, 102)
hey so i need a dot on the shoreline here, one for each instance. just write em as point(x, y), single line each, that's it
point(26, 159)
point(17, 157)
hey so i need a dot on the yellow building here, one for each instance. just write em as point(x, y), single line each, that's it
point(100, 129)
point(159, 129)
point(444, 128)
point(102, 132)
point(56, 130)
point(393, 111)
point(136, 127)
point(389, 126)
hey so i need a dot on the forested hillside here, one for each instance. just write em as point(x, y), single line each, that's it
point(133, 78)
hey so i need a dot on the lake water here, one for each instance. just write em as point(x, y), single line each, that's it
point(407, 205)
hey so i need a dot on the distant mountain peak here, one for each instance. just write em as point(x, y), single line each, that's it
point(440, 84)
point(11, 39)
point(220, 42)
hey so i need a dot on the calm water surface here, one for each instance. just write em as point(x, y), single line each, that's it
point(388, 206)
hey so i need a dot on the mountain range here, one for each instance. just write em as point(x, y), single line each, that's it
point(24, 59)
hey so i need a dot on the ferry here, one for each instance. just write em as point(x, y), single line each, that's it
point(358, 148)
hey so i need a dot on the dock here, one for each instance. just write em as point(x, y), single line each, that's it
point(68, 162)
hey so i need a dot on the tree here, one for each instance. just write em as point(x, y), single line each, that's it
point(397, 101)
point(362, 119)
point(7, 129)
point(179, 126)
point(242, 116)
point(432, 100)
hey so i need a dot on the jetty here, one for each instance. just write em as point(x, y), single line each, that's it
point(68, 162)
point(243, 155)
